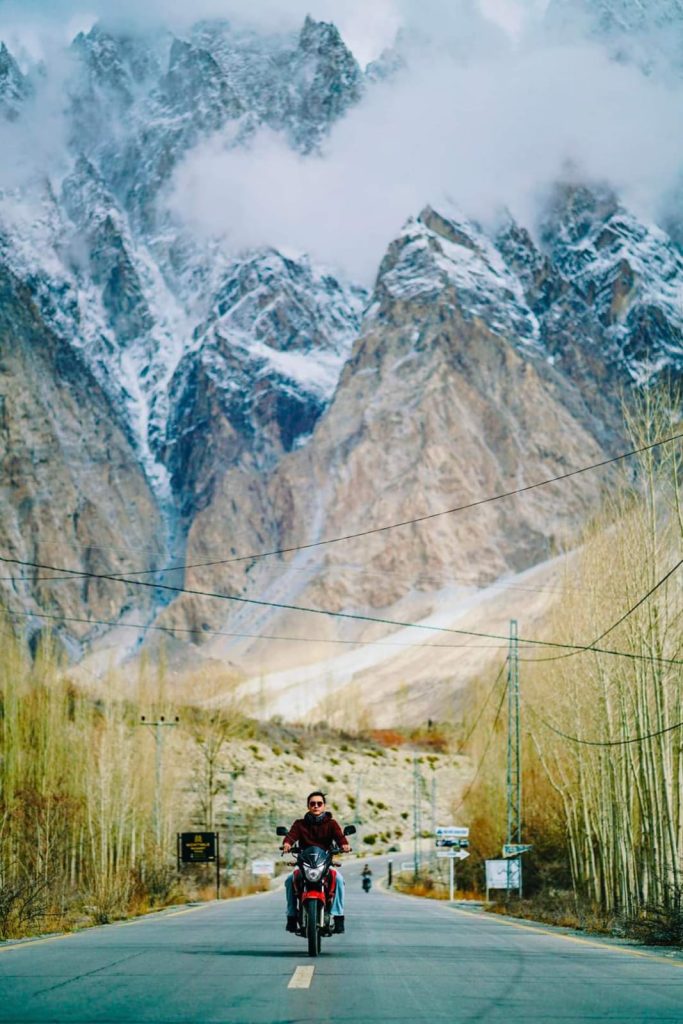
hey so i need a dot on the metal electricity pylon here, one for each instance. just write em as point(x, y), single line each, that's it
point(514, 765)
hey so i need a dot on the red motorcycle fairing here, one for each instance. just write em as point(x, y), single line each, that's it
point(315, 894)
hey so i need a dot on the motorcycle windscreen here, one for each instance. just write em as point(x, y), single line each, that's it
point(316, 857)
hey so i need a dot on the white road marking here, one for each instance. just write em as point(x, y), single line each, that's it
point(302, 978)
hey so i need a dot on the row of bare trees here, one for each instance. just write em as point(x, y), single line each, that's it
point(603, 732)
point(78, 791)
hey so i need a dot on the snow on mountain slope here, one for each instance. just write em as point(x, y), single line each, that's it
point(14, 86)
point(110, 270)
point(436, 251)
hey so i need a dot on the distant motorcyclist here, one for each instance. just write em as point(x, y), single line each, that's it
point(316, 828)
point(366, 876)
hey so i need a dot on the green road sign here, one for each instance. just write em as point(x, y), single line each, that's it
point(514, 849)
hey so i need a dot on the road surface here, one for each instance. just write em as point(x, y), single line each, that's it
point(401, 960)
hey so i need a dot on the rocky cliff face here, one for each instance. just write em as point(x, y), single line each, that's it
point(165, 404)
point(73, 492)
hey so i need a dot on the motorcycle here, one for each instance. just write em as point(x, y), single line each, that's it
point(314, 886)
point(367, 883)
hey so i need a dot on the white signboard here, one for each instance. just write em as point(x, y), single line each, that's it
point(263, 867)
point(502, 874)
point(452, 832)
point(453, 854)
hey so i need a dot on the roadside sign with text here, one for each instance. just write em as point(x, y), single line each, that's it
point(451, 835)
point(263, 867)
point(514, 849)
point(453, 854)
point(502, 874)
point(197, 847)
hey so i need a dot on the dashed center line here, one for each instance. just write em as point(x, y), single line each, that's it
point(302, 978)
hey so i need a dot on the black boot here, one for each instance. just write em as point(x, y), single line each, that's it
point(291, 924)
point(339, 926)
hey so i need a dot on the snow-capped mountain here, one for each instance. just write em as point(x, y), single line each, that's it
point(227, 403)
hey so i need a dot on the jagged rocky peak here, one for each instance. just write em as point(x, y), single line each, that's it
point(196, 85)
point(439, 253)
point(113, 65)
point(541, 283)
point(629, 273)
point(15, 87)
point(287, 305)
point(328, 76)
point(262, 369)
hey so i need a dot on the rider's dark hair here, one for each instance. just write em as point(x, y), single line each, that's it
point(316, 792)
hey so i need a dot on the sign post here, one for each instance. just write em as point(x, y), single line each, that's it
point(452, 856)
point(201, 848)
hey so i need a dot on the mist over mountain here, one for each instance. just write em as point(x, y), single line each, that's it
point(256, 293)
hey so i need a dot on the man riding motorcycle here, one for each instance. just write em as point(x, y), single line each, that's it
point(366, 876)
point(316, 828)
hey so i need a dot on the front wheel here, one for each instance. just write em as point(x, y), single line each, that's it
point(313, 927)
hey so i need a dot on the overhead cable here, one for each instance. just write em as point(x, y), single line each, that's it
point(603, 743)
point(348, 616)
point(642, 600)
point(477, 720)
point(254, 636)
point(253, 556)
point(486, 749)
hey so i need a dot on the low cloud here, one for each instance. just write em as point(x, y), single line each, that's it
point(488, 111)
point(486, 132)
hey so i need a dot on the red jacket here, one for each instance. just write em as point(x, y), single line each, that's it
point(308, 832)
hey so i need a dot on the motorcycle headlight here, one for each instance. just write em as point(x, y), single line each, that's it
point(313, 874)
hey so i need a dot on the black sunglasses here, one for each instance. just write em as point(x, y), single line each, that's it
point(316, 803)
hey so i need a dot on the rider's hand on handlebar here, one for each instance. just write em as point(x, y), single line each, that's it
point(286, 847)
point(346, 848)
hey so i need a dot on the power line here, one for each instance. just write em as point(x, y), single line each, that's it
point(651, 591)
point(410, 522)
point(486, 750)
point(482, 709)
point(604, 743)
point(350, 616)
point(434, 578)
point(255, 636)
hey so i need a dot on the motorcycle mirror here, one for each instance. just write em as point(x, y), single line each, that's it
point(349, 830)
point(281, 830)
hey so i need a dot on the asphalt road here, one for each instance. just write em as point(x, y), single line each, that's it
point(401, 959)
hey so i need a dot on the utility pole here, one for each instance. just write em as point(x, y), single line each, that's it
point(417, 816)
point(514, 765)
point(230, 824)
point(158, 727)
point(433, 856)
point(358, 819)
